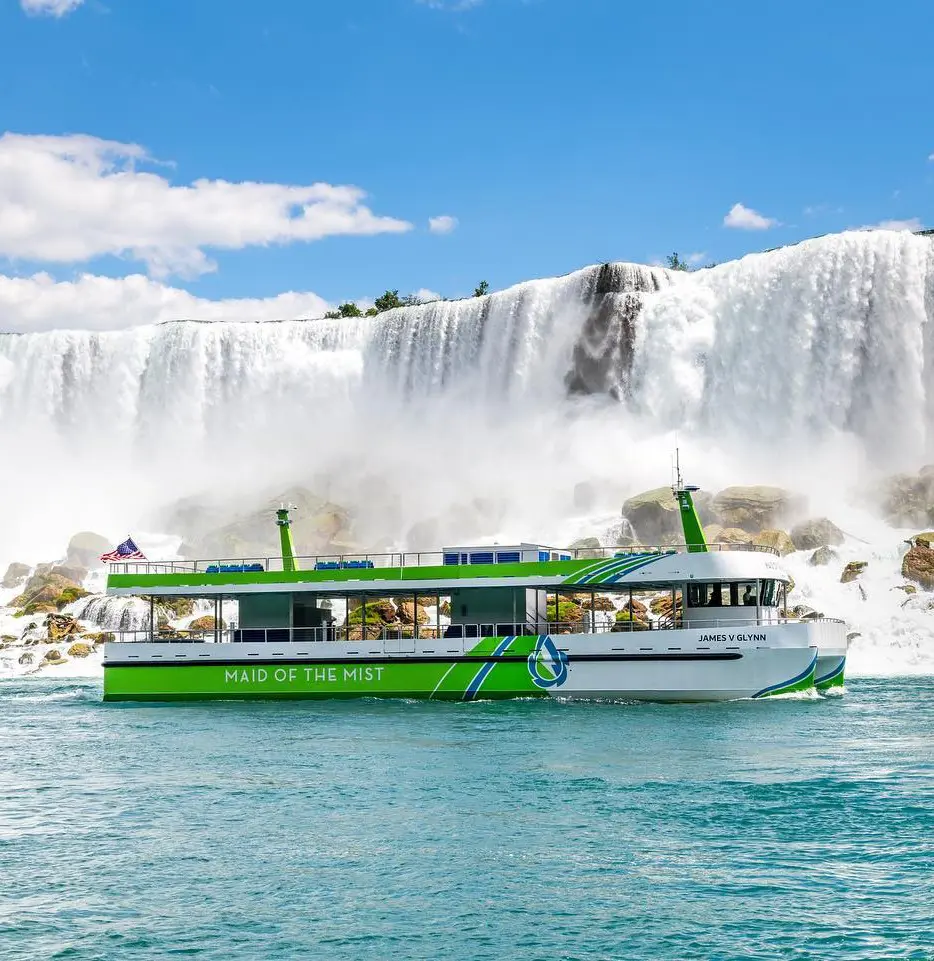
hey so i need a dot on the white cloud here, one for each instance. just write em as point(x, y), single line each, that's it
point(69, 199)
point(931, 156)
point(695, 259)
point(745, 218)
point(50, 8)
point(425, 295)
point(106, 303)
point(443, 224)
point(914, 223)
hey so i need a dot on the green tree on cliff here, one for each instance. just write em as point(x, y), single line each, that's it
point(388, 300)
point(676, 263)
point(482, 289)
point(349, 309)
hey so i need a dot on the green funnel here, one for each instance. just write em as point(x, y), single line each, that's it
point(285, 538)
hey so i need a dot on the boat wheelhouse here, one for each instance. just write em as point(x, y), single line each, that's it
point(476, 622)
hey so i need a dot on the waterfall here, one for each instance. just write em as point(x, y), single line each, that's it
point(112, 613)
point(485, 413)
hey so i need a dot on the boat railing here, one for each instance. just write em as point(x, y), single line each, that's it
point(397, 560)
point(404, 640)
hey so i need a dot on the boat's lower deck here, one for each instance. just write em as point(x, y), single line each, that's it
point(685, 665)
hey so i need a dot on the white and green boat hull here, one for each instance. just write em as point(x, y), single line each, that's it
point(673, 665)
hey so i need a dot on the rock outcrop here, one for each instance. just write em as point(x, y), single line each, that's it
point(410, 613)
point(16, 574)
point(656, 517)
point(817, 532)
point(823, 556)
point(717, 534)
point(600, 603)
point(852, 571)
point(625, 621)
point(47, 591)
point(85, 549)
point(205, 623)
point(588, 547)
point(756, 508)
point(79, 649)
point(918, 562)
point(907, 500)
point(318, 526)
point(60, 626)
point(776, 539)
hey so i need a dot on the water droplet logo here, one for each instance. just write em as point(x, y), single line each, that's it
point(547, 665)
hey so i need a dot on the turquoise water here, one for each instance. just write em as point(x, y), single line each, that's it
point(790, 828)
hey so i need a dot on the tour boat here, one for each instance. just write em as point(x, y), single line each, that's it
point(695, 623)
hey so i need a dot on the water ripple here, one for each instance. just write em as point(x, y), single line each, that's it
point(531, 830)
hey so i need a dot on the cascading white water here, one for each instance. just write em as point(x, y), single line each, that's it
point(111, 613)
point(800, 366)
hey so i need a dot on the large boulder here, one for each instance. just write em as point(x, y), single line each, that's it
point(85, 549)
point(52, 656)
point(79, 649)
point(817, 532)
point(73, 572)
point(823, 556)
point(16, 574)
point(776, 539)
point(408, 612)
point(907, 500)
point(656, 517)
point(717, 534)
point(625, 621)
point(567, 615)
point(60, 626)
point(205, 623)
point(587, 547)
point(918, 564)
point(318, 527)
point(47, 591)
point(378, 611)
point(600, 603)
point(756, 508)
point(852, 571)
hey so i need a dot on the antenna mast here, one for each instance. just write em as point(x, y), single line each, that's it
point(690, 522)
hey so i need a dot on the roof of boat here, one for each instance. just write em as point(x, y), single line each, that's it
point(488, 567)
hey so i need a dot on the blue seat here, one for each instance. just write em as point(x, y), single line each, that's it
point(327, 566)
point(212, 569)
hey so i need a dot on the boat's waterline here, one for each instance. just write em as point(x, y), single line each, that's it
point(566, 666)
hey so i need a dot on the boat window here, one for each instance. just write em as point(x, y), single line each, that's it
point(698, 594)
point(747, 593)
point(768, 594)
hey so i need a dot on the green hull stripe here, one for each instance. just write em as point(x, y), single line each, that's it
point(441, 681)
point(803, 682)
point(833, 679)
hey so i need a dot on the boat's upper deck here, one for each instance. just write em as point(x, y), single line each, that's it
point(489, 566)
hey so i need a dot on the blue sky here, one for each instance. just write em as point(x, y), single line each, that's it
point(557, 133)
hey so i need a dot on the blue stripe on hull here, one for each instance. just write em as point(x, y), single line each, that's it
point(792, 681)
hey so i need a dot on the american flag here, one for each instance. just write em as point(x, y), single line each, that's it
point(127, 551)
